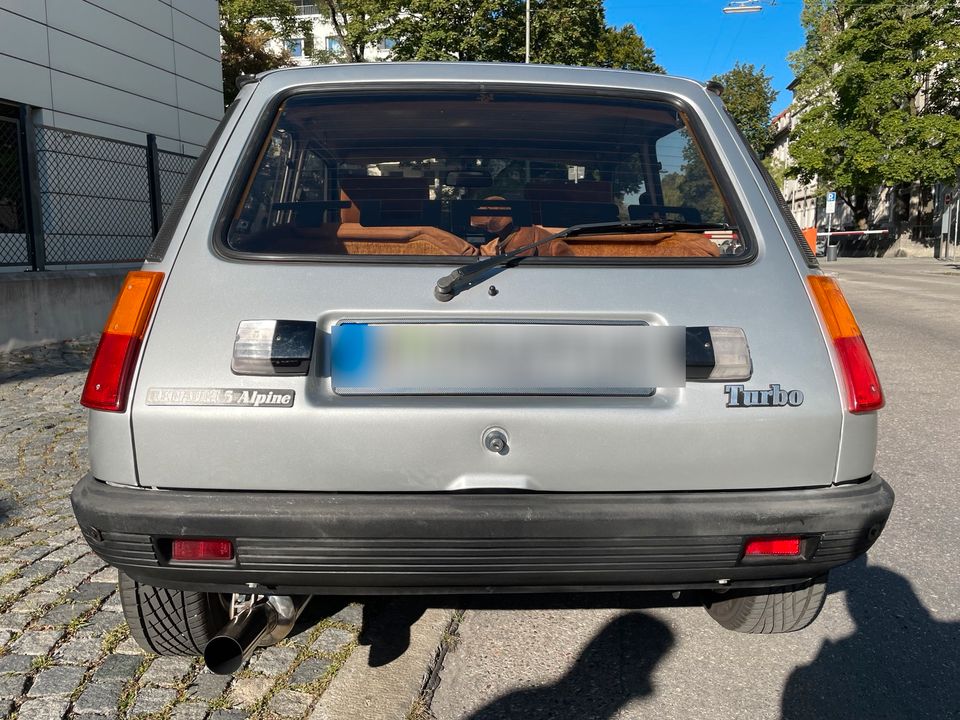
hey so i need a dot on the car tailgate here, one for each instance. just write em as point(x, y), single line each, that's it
point(674, 439)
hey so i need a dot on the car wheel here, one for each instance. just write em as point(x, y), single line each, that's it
point(779, 610)
point(172, 622)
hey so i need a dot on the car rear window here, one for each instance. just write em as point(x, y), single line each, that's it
point(481, 173)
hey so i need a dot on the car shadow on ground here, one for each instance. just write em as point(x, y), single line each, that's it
point(387, 621)
point(33, 363)
point(613, 669)
point(385, 626)
point(900, 662)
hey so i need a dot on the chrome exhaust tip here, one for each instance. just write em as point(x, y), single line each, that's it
point(264, 623)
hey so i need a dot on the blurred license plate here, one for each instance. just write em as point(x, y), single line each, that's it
point(506, 359)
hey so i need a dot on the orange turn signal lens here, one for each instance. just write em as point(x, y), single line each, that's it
point(833, 306)
point(133, 304)
point(108, 382)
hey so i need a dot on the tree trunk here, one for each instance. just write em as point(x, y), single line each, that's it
point(924, 225)
point(339, 21)
point(861, 209)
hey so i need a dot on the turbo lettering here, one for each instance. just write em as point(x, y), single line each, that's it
point(774, 396)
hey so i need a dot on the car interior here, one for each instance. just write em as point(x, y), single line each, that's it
point(480, 174)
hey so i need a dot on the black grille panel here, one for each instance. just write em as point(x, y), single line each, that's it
point(122, 549)
point(505, 554)
point(840, 546)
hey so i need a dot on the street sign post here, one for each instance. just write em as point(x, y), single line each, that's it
point(831, 203)
point(831, 209)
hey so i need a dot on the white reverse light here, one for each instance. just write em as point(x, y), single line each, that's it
point(731, 354)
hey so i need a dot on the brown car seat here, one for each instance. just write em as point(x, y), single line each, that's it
point(509, 237)
point(350, 237)
point(665, 244)
point(359, 239)
point(331, 239)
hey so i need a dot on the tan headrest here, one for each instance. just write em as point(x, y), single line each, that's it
point(494, 223)
point(353, 189)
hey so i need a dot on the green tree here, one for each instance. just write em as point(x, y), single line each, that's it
point(670, 185)
point(748, 95)
point(693, 185)
point(564, 32)
point(624, 48)
point(465, 30)
point(358, 25)
point(254, 36)
point(777, 170)
point(878, 96)
point(697, 187)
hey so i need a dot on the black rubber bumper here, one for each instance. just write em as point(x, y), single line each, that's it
point(364, 543)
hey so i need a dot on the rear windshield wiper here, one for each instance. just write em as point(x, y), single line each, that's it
point(464, 276)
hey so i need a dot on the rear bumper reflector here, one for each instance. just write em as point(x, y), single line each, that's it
point(773, 546)
point(201, 550)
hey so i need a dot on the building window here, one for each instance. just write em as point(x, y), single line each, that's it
point(386, 44)
point(333, 44)
point(305, 7)
point(295, 46)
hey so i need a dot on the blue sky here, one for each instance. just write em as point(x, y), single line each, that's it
point(695, 39)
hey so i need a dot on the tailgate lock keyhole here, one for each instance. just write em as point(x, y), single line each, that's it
point(495, 440)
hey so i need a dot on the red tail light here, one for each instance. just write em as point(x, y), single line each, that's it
point(772, 546)
point(201, 550)
point(108, 382)
point(860, 376)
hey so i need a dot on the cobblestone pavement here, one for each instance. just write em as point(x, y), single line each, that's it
point(65, 650)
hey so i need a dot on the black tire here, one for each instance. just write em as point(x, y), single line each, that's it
point(779, 610)
point(171, 622)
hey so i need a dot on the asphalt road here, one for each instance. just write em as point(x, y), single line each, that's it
point(887, 644)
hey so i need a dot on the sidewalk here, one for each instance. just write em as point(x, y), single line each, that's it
point(65, 651)
point(905, 266)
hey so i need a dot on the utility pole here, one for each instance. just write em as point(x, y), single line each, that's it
point(527, 58)
point(956, 225)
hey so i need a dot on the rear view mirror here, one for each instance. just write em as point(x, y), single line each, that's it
point(469, 179)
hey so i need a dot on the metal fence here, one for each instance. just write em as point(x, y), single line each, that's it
point(13, 224)
point(173, 169)
point(94, 199)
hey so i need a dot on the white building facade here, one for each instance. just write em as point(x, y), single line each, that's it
point(325, 37)
point(800, 197)
point(919, 225)
point(104, 105)
point(116, 68)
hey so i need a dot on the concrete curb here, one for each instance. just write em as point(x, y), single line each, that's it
point(361, 692)
point(44, 307)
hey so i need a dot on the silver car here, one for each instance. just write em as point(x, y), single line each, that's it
point(454, 328)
